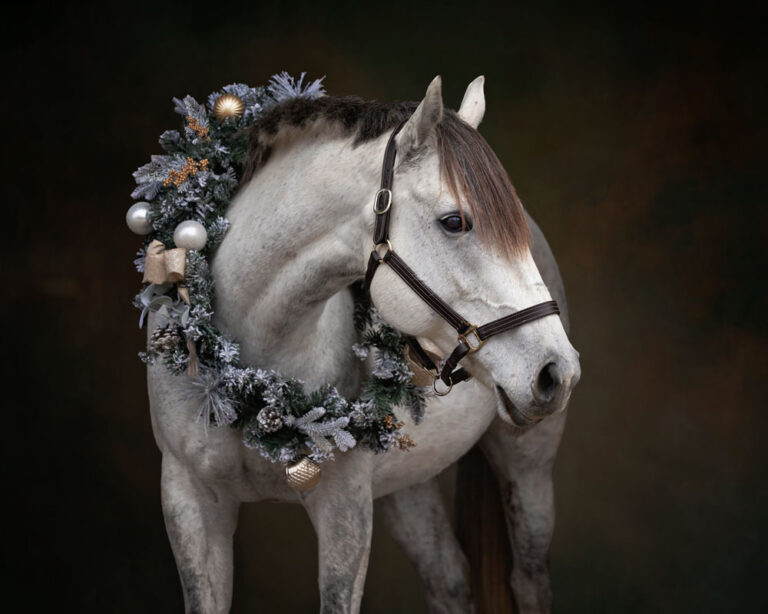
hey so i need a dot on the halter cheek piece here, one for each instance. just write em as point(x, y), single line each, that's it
point(471, 337)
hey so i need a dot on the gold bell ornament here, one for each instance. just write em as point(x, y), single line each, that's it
point(303, 475)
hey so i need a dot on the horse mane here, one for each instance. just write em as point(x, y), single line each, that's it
point(468, 165)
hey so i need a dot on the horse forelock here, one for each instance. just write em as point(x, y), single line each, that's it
point(469, 166)
point(475, 175)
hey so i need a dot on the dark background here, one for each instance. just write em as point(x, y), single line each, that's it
point(632, 135)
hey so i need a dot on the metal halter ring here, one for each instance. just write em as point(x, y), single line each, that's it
point(389, 249)
point(437, 392)
point(376, 209)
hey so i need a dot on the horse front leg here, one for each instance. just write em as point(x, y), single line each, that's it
point(522, 461)
point(341, 511)
point(200, 523)
point(418, 521)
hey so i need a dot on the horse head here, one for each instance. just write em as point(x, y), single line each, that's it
point(458, 223)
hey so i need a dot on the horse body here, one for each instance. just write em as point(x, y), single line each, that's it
point(299, 236)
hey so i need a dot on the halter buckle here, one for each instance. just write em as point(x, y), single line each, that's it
point(472, 338)
point(376, 208)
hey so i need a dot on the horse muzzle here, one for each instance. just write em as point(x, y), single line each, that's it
point(550, 392)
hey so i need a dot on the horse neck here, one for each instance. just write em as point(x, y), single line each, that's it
point(298, 237)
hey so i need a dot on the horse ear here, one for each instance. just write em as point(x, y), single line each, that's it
point(422, 123)
point(473, 105)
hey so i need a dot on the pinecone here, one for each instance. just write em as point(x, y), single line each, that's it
point(269, 420)
point(165, 338)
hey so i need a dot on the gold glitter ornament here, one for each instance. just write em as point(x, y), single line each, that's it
point(226, 106)
point(303, 475)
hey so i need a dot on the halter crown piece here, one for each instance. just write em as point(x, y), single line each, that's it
point(471, 337)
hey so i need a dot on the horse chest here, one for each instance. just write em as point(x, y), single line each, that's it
point(451, 425)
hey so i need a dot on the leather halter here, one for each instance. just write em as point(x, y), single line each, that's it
point(471, 337)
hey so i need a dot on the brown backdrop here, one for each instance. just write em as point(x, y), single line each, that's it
point(631, 135)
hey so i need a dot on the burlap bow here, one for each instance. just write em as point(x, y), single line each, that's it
point(166, 266)
point(421, 377)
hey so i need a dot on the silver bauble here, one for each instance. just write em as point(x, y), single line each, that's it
point(138, 219)
point(190, 235)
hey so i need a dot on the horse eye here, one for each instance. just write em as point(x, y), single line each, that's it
point(453, 223)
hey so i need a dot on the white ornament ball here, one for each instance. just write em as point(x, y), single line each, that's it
point(190, 235)
point(138, 219)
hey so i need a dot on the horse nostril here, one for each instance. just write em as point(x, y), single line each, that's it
point(546, 383)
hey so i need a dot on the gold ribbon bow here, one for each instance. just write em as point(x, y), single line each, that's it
point(163, 266)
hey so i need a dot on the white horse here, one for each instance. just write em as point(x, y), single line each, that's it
point(300, 235)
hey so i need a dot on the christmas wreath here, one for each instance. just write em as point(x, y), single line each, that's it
point(183, 196)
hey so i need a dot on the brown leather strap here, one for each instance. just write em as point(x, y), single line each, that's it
point(425, 293)
point(517, 319)
point(449, 374)
point(373, 264)
point(383, 203)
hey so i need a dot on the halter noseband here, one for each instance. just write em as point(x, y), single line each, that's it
point(471, 337)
